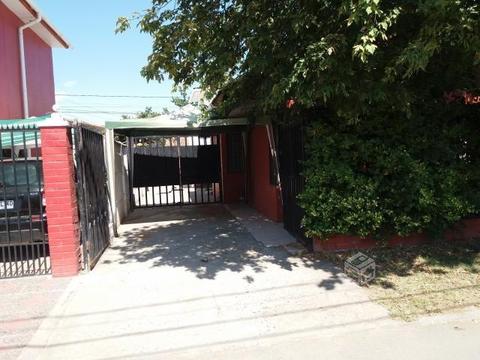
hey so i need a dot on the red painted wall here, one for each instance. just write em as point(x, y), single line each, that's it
point(39, 65)
point(263, 196)
point(10, 88)
point(233, 183)
point(41, 86)
point(464, 230)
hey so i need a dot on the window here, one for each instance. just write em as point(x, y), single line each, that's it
point(19, 174)
point(6, 153)
point(234, 153)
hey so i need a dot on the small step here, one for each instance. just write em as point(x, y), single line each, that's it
point(269, 233)
point(295, 249)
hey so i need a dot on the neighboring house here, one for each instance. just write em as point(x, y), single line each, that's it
point(26, 65)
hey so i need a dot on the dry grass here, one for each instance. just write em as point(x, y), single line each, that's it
point(425, 279)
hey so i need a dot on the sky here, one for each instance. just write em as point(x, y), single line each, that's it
point(101, 62)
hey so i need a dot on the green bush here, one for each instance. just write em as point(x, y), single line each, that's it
point(387, 177)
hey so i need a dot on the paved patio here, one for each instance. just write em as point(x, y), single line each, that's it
point(192, 280)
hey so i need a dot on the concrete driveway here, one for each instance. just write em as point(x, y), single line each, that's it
point(182, 282)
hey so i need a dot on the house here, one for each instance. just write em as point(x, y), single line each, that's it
point(223, 160)
point(26, 66)
point(27, 94)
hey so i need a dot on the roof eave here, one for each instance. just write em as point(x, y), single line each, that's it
point(26, 11)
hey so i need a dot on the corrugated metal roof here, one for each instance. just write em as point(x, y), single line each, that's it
point(16, 123)
point(17, 132)
point(19, 139)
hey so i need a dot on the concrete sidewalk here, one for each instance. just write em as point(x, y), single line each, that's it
point(25, 303)
point(193, 279)
point(456, 336)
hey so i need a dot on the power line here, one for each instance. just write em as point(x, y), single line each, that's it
point(117, 96)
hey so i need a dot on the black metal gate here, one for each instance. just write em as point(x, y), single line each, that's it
point(93, 196)
point(291, 148)
point(23, 239)
point(175, 170)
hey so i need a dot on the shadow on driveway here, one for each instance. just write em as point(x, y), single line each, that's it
point(190, 278)
point(205, 240)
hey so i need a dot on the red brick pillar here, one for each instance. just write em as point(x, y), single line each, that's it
point(60, 197)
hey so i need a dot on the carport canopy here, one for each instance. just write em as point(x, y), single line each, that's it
point(174, 124)
point(180, 123)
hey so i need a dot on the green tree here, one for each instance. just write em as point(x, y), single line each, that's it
point(386, 152)
point(346, 55)
point(146, 114)
point(181, 99)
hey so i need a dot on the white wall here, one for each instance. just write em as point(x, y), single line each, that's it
point(122, 191)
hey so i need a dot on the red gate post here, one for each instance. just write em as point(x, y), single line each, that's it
point(60, 196)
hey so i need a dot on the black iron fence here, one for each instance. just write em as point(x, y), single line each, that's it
point(291, 148)
point(93, 196)
point(23, 232)
point(175, 170)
